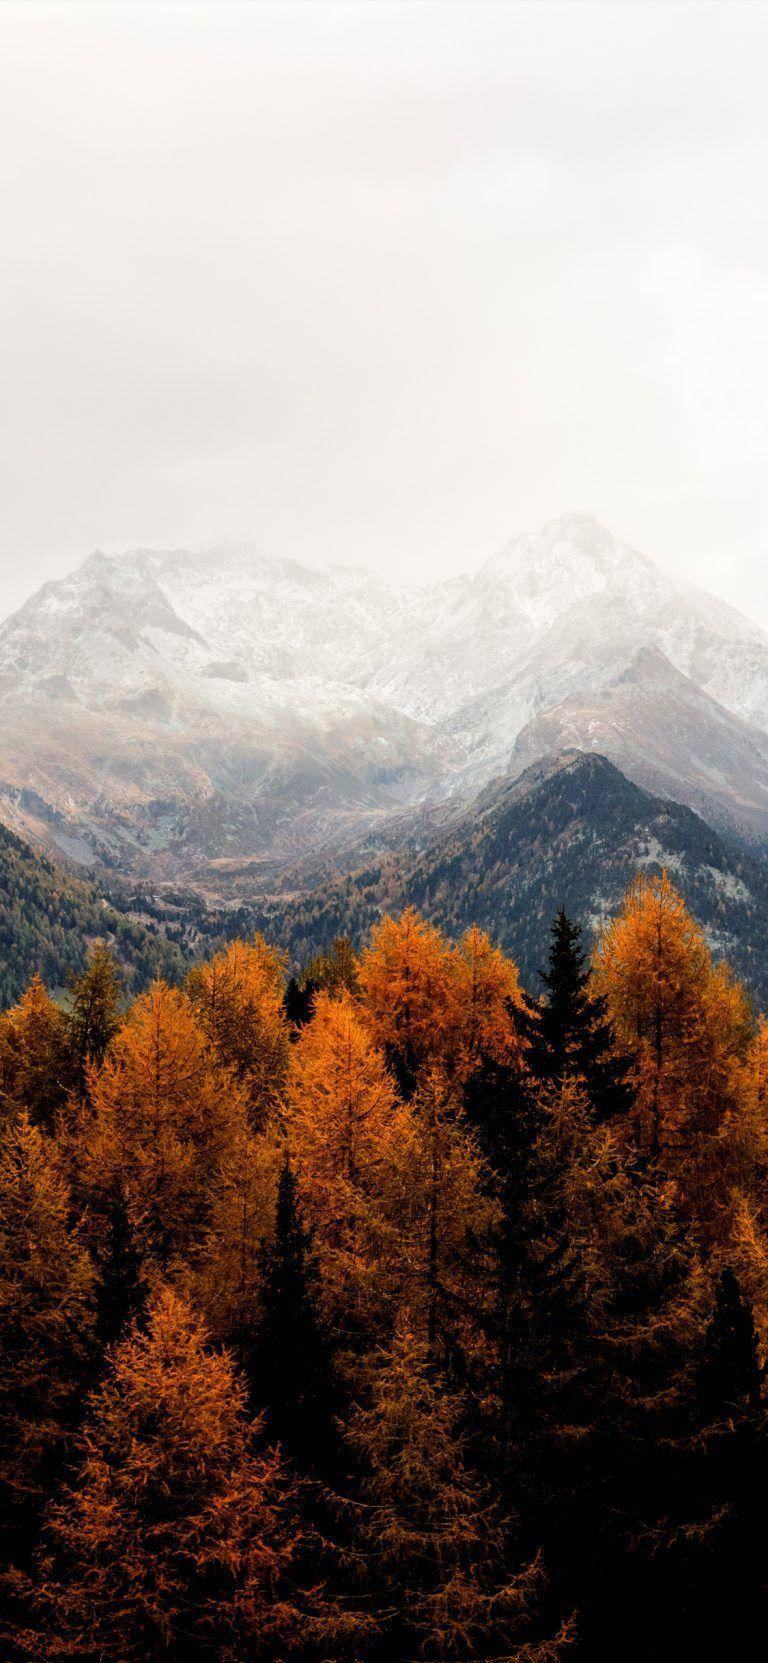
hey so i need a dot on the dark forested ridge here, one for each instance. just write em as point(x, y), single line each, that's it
point(389, 1315)
point(48, 918)
point(569, 832)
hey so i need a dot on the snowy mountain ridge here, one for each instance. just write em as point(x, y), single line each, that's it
point(144, 689)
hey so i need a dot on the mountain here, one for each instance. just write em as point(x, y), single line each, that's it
point(665, 732)
point(48, 921)
point(175, 714)
point(128, 735)
point(571, 832)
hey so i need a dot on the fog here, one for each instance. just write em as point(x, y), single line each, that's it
point(384, 283)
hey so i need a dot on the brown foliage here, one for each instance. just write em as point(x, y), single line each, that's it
point(689, 1023)
point(175, 1535)
point(34, 1057)
point(164, 1120)
point(46, 1310)
point(238, 996)
point(349, 1138)
point(435, 1543)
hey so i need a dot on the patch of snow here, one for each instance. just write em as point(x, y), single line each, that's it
point(728, 885)
point(566, 637)
point(653, 853)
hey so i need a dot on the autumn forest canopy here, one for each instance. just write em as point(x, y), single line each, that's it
point(388, 1312)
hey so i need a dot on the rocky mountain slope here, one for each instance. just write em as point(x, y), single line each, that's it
point(572, 832)
point(165, 711)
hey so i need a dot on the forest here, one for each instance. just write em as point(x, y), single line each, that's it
point(388, 1312)
point(49, 919)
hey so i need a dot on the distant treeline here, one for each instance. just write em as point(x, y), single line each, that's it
point(48, 919)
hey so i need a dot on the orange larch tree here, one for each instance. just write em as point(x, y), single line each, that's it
point(746, 1151)
point(238, 997)
point(437, 1544)
point(35, 1071)
point(46, 1315)
point(175, 1535)
point(687, 1020)
point(349, 1138)
point(228, 1276)
point(410, 988)
point(487, 993)
point(163, 1121)
point(450, 1220)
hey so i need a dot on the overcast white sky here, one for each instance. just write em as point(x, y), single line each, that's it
point(384, 282)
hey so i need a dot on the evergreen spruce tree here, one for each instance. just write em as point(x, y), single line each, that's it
point(542, 1299)
point(299, 1002)
point(713, 1598)
point(730, 1376)
point(569, 1033)
point(292, 1375)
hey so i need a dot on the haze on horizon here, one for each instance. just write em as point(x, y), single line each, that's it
point(384, 283)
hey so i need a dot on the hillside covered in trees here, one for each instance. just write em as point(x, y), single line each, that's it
point(388, 1312)
point(571, 832)
point(48, 919)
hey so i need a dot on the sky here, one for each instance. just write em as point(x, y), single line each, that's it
point(384, 283)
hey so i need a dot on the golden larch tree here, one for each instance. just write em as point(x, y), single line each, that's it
point(487, 993)
point(164, 1120)
point(438, 1547)
point(450, 1220)
point(410, 987)
point(174, 1537)
point(35, 1072)
point(46, 1312)
point(688, 1021)
point(228, 1277)
point(238, 996)
point(349, 1138)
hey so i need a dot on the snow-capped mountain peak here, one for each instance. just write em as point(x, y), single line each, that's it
point(168, 676)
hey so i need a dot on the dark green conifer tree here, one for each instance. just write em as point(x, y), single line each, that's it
point(291, 1368)
point(730, 1376)
point(542, 1298)
point(711, 1600)
point(299, 1003)
point(569, 1032)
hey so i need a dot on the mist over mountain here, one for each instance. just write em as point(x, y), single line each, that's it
point(167, 712)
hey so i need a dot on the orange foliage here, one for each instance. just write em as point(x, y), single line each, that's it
point(46, 1308)
point(428, 1002)
point(349, 1138)
point(227, 1282)
point(450, 1217)
point(174, 1535)
point(239, 998)
point(431, 1524)
point(164, 1121)
point(689, 1022)
point(487, 984)
point(34, 1056)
